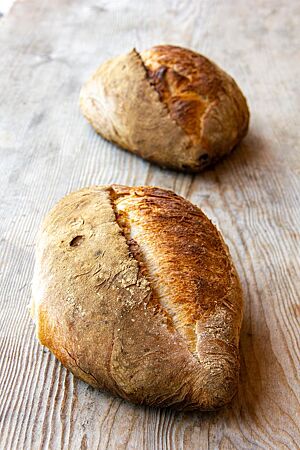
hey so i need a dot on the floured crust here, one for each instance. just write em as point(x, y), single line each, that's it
point(169, 105)
point(135, 292)
point(123, 107)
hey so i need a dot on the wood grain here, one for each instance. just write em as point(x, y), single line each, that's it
point(47, 149)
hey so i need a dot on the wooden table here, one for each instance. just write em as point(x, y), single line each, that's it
point(48, 49)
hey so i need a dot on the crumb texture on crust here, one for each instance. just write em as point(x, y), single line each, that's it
point(127, 297)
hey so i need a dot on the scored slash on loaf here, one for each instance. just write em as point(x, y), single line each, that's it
point(135, 292)
point(169, 105)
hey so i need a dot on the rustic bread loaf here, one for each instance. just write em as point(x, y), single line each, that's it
point(135, 292)
point(169, 105)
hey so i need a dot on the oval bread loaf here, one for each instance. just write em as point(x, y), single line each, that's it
point(135, 292)
point(169, 105)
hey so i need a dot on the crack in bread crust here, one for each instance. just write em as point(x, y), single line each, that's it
point(174, 86)
point(124, 108)
point(126, 205)
point(189, 85)
point(196, 283)
point(153, 86)
point(123, 221)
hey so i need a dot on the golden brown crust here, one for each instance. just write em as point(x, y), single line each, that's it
point(188, 83)
point(135, 292)
point(169, 105)
point(165, 226)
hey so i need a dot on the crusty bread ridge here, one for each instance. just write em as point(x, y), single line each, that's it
point(170, 105)
point(135, 292)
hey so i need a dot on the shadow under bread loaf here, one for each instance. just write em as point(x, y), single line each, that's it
point(135, 292)
point(169, 105)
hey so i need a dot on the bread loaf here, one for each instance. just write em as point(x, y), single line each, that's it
point(169, 105)
point(135, 292)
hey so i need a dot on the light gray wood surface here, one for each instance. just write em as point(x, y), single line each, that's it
point(48, 48)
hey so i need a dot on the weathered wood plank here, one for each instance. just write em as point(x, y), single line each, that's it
point(47, 149)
